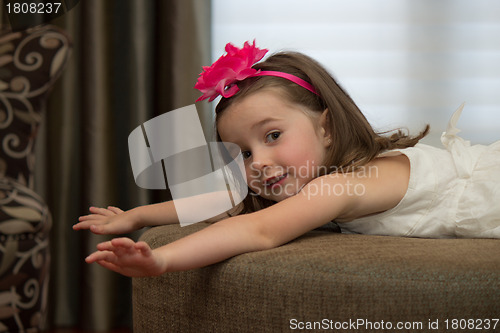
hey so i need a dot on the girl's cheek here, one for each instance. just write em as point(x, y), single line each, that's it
point(254, 186)
point(253, 180)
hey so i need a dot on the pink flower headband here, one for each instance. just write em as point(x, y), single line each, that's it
point(236, 65)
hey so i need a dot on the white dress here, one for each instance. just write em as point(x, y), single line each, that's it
point(452, 192)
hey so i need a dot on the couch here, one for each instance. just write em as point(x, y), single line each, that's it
point(328, 281)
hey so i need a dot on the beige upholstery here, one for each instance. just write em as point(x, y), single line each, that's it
point(324, 276)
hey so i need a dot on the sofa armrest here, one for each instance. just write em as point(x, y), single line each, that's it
point(323, 277)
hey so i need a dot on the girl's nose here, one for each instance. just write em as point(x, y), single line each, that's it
point(261, 159)
point(256, 173)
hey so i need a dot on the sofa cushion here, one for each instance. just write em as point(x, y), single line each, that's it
point(324, 278)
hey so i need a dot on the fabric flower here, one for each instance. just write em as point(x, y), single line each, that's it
point(235, 65)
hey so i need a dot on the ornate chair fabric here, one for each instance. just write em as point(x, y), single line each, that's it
point(30, 63)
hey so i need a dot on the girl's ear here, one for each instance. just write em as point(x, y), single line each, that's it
point(325, 130)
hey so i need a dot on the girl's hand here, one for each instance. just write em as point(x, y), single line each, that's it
point(111, 220)
point(129, 258)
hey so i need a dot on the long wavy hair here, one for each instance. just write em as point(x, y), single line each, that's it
point(354, 141)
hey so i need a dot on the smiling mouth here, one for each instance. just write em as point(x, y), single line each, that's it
point(275, 180)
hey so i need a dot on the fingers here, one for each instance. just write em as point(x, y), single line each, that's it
point(109, 211)
point(115, 210)
point(82, 225)
point(115, 244)
point(126, 257)
point(119, 246)
point(123, 242)
point(97, 217)
point(100, 256)
point(104, 228)
point(100, 213)
point(89, 224)
point(131, 272)
point(111, 250)
point(90, 219)
point(98, 229)
point(143, 247)
point(110, 266)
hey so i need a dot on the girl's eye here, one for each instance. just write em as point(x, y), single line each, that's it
point(273, 136)
point(246, 154)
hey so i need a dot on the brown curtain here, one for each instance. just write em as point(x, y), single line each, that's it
point(132, 60)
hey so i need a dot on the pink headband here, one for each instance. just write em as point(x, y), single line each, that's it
point(236, 65)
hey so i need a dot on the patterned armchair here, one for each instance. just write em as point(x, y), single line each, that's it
point(30, 63)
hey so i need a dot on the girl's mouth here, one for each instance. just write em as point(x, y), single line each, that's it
point(275, 181)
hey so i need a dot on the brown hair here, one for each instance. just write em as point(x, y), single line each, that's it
point(354, 142)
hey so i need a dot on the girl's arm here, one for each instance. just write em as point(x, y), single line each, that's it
point(113, 220)
point(320, 201)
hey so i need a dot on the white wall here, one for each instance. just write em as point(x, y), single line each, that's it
point(405, 62)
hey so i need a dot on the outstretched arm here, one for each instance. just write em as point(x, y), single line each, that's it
point(320, 201)
point(261, 230)
point(127, 257)
point(113, 220)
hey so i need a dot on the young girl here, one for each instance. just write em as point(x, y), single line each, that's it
point(311, 157)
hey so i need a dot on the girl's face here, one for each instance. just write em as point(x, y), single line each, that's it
point(282, 146)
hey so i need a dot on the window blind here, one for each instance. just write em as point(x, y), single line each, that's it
point(406, 63)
